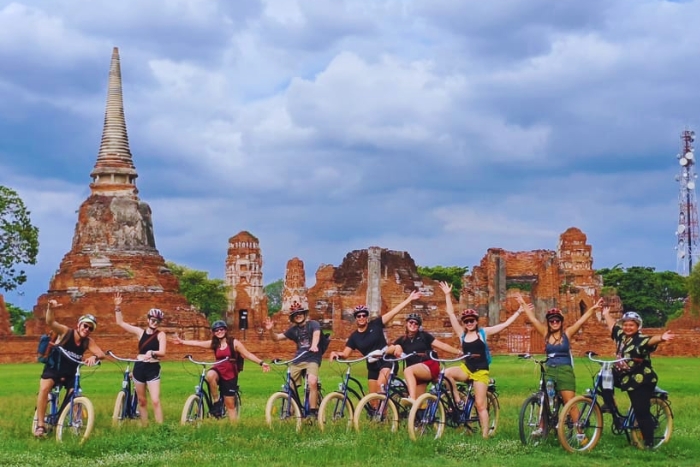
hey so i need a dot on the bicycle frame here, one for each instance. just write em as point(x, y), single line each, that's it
point(395, 388)
point(548, 411)
point(205, 394)
point(129, 407)
point(346, 389)
point(290, 388)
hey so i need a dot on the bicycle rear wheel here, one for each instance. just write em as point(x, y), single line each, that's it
point(76, 420)
point(119, 412)
point(426, 418)
point(335, 410)
point(192, 411)
point(580, 424)
point(663, 424)
point(282, 410)
point(375, 410)
point(531, 423)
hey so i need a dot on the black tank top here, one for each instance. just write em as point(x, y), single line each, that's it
point(68, 367)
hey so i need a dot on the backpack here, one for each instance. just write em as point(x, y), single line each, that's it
point(46, 345)
point(237, 355)
point(482, 336)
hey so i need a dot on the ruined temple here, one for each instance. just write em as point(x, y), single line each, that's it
point(5, 324)
point(294, 285)
point(114, 247)
point(247, 303)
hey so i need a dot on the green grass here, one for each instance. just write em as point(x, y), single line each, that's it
point(251, 443)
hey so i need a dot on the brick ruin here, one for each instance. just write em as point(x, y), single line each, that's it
point(244, 278)
point(5, 324)
point(294, 285)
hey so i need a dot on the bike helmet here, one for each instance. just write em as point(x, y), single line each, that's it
point(296, 309)
point(415, 317)
point(632, 316)
point(360, 309)
point(469, 313)
point(90, 319)
point(554, 313)
point(155, 313)
point(219, 324)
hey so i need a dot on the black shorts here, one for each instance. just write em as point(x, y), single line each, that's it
point(146, 372)
point(228, 387)
point(374, 368)
point(63, 379)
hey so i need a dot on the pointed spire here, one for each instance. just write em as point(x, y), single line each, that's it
point(114, 164)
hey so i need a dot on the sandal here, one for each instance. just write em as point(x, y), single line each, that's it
point(40, 432)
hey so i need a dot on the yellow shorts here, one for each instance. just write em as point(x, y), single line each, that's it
point(481, 376)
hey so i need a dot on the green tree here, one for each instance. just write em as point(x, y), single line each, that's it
point(450, 274)
point(273, 291)
point(18, 317)
point(694, 288)
point(656, 296)
point(19, 239)
point(207, 295)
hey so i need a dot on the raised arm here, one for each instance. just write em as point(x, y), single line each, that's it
point(388, 316)
point(240, 348)
point(276, 336)
point(500, 327)
point(665, 337)
point(573, 329)
point(447, 290)
point(192, 343)
point(529, 310)
point(609, 320)
point(55, 326)
point(447, 348)
point(120, 320)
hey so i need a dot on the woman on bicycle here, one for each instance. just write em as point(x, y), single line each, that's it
point(60, 370)
point(420, 368)
point(559, 366)
point(146, 374)
point(369, 337)
point(223, 375)
point(475, 368)
point(636, 376)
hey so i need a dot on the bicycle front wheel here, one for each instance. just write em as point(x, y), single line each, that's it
point(193, 411)
point(335, 411)
point(282, 410)
point(663, 424)
point(76, 420)
point(426, 418)
point(580, 424)
point(119, 412)
point(532, 424)
point(375, 410)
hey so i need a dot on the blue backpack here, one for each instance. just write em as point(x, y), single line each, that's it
point(482, 336)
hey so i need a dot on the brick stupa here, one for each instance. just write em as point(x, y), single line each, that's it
point(114, 247)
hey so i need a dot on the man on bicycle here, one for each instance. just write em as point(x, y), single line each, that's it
point(369, 337)
point(306, 334)
point(60, 370)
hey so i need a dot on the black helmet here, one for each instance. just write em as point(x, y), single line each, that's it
point(219, 324)
point(415, 317)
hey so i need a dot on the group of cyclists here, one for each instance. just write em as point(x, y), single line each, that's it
point(636, 376)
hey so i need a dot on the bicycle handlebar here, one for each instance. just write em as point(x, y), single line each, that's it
point(433, 356)
point(526, 356)
point(277, 361)
point(197, 362)
point(591, 356)
point(350, 362)
point(111, 354)
point(399, 359)
point(70, 357)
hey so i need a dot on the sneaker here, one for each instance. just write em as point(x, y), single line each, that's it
point(406, 402)
point(461, 404)
point(40, 432)
point(217, 408)
point(538, 433)
point(582, 439)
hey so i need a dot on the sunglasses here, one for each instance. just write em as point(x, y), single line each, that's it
point(469, 321)
point(415, 323)
point(361, 315)
point(154, 320)
point(88, 327)
point(219, 329)
point(555, 320)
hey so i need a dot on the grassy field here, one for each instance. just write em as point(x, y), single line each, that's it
point(251, 443)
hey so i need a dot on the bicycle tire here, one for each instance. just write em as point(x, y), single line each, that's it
point(119, 412)
point(663, 424)
point(427, 416)
point(582, 435)
point(332, 412)
point(366, 415)
point(532, 426)
point(493, 409)
point(282, 410)
point(192, 411)
point(79, 425)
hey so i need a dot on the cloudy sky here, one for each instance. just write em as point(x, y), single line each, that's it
point(439, 127)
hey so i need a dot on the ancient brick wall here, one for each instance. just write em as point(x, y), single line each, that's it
point(5, 323)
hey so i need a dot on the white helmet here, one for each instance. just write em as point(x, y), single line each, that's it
point(632, 316)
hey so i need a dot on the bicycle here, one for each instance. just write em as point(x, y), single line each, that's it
point(385, 408)
point(126, 405)
point(193, 410)
point(582, 433)
point(75, 416)
point(437, 408)
point(285, 406)
point(539, 415)
point(338, 405)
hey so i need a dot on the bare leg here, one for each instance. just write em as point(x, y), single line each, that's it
point(480, 390)
point(230, 403)
point(213, 382)
point(143, 402)
point(45, 386)
point(154, 392)
point(416, 377)
point(455, 374)
point(313, 392)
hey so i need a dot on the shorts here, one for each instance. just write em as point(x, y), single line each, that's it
point(62, 379)
point(563, 376)
point(146, 372)
point(481, 376)
point(373, 369)
point(434, 368)
point(228, 387)
point(310, 367)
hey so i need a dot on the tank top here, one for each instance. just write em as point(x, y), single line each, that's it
point(67, 366)
point(561, 352)
point(475, 347)
point(153, 344)
point(227, 370)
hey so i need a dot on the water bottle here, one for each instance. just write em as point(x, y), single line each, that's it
point(607, 378)
point(550, 393)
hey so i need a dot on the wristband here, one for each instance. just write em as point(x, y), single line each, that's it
point(261, 363)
